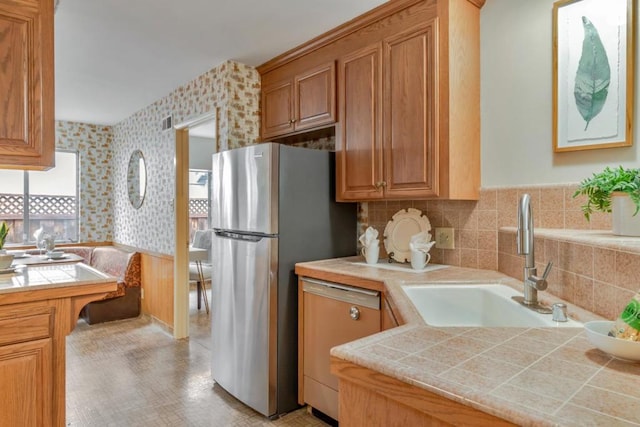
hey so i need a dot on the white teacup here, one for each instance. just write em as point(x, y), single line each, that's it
point(371, 253)
point(419, 259)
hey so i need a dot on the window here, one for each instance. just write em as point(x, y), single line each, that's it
point(49, 199)
point(199, 200)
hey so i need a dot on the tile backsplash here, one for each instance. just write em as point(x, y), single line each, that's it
point(598, 279)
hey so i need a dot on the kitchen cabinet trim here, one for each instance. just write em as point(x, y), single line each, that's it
point(341, 31)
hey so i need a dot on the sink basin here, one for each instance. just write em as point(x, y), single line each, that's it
point(486, 305)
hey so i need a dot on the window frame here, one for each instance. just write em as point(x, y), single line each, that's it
point(27, 239)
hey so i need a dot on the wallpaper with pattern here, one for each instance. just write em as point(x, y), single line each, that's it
point(93, 144)
point(232, 90)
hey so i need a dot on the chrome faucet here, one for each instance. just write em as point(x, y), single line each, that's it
point(532, 282)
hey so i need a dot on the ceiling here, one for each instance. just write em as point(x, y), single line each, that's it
point(113, 58)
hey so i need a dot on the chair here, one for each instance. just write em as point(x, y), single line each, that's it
point(199, 271)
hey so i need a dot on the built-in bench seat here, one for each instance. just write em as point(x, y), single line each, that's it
point(122, 303)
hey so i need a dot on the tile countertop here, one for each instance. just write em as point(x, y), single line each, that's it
point(529, 376)
point(50, 276)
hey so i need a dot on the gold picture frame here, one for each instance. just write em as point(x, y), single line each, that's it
point(593, 74)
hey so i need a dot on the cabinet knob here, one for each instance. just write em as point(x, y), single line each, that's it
point(354, 312)
point(292, 121)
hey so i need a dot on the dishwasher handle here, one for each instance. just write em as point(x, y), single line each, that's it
point(345, 293)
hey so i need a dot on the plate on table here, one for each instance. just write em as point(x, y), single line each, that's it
point(7, 270)
point(398, 232)
point(597, 333)
point(18, 254)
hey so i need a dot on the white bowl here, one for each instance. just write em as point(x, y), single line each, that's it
point(5, 261)
point(55, 254)
point(597, 333)
point(18, 254)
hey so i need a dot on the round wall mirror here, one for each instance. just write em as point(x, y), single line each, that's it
point(136, 179)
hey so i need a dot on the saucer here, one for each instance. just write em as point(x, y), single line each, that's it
point(57, 257)
point(18, 255)
point(7, 270)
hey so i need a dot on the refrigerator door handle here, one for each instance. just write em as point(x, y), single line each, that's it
point(239, 236)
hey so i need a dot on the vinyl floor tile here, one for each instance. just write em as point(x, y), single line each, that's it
point(133, 373)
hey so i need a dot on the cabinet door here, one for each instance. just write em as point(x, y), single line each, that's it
point(359, 142)
point(26, 389)
point(26, 84)
point(315, 97)
point(277, 105)
point(410, 113)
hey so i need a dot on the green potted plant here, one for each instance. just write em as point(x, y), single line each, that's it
point(4, 231)
point(617, 191)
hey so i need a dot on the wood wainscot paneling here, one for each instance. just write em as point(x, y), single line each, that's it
point(157, 298)
point(157, 287)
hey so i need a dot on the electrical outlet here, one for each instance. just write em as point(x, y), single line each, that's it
point(141, 293)
point(445, 238)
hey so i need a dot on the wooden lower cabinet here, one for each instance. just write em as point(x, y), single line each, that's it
point(33, 327)
point(27, 376)
point(26, 366)
point(369, 399)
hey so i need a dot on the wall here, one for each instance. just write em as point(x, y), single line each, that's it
point(516, 101)
point(233, 90)
point(93, 144)
point(200, 151)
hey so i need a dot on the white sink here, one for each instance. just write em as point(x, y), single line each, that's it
point(487, 305)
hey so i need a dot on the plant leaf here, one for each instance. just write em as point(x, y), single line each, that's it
point(593, 75)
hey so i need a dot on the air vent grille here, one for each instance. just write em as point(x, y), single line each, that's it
point(167, 123)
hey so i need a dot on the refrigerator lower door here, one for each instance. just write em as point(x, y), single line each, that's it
point(244, 318)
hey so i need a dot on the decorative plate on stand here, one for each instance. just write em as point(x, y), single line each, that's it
point(398, 232)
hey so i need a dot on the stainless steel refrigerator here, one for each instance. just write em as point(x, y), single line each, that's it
point(272, 206)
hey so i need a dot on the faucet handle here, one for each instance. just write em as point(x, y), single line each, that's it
point(540, 283)
point(547, 270)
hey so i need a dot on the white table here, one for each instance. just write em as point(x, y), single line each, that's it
point(43, 259)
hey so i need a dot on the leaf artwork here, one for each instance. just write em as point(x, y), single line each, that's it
point(593, 75)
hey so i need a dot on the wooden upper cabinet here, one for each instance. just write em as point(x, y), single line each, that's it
point(303, 102)
point(410, 131)
point(359, 150)
point(277, 109)
point(408, 99)
point(388, 145)
point(430, 109)
point(315, 98)
point(27, 139)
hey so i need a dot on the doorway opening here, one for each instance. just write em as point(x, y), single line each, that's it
point(196, 141)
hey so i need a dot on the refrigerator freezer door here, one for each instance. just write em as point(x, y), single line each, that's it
point(244, 193)
point(244, 318)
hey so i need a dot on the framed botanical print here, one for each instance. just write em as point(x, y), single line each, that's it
point(593, 74)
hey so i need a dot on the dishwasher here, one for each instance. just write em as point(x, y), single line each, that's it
point(332, 314)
